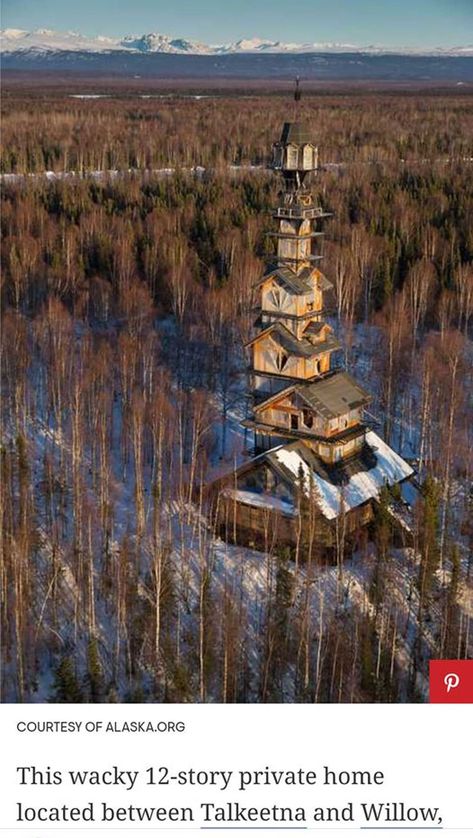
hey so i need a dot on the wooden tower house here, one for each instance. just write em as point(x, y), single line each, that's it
point(310, 436)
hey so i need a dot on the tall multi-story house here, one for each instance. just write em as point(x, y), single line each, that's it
point(313, 449)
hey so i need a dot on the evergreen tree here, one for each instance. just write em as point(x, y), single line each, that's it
point(382, 538)
point(136, 695)
point(94, 672)
point(66, 686)
point(451, 610)
point(309, 501)
point(455, 576)
point(367, 681)
point(278, 629)
point(428, 537)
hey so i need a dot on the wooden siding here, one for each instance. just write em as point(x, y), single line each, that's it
point(275, 298)
point(267, 355)
point(265, 529)
point(288, 415)
point(278, 299)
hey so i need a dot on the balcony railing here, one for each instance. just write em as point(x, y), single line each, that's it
point(298, 210)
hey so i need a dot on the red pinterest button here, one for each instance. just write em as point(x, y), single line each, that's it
point(451, 682)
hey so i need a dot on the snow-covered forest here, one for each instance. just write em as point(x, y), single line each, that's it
point(125, 305)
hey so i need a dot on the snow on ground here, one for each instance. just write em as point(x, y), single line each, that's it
point(245, 572)
point(99, 174)
point(113, 174)
point(241, 571)
point(248, 576)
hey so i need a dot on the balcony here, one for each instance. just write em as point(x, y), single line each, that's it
point(302, 432)
point(300, 211)
point(310, 314)
point(292, 237)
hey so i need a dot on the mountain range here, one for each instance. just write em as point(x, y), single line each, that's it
point(23, 42)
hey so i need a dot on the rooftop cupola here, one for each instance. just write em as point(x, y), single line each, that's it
point(294, 155)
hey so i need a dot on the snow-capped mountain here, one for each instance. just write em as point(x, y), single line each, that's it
point(49, 41)
point(154, 42)
point(46, 40)
point(255, 45)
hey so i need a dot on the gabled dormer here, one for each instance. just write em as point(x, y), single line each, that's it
point(277, 351)
point(327, 413)
point(291, 299)
point(317, 332)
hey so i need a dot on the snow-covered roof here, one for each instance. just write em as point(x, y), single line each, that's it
point(260, 500)
point(361, 486)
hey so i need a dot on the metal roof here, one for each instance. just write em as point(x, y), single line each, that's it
point(302, 348)
point(334, 396)
point(315, 327)
point(331, 396)
point(299, 283)
point(295, 132)
point(296, 282)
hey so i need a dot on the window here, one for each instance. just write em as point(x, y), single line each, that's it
point(294, 422)
point(308, 157)
point(277, 156)
point(308, 418)
point(275, 297)
point(270, 481)
point(281, 361)
point(291, 157)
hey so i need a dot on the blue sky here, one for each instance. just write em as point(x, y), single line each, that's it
point(388, 22)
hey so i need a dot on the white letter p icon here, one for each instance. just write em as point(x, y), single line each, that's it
point(451, 681)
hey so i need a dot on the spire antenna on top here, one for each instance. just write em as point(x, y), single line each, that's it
point(297, 96)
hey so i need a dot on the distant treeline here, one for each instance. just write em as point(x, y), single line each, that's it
point(109, 133)
point(270, 66)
